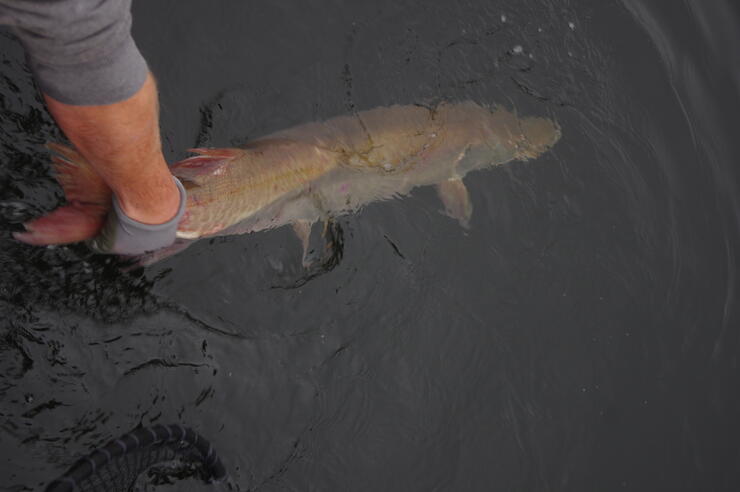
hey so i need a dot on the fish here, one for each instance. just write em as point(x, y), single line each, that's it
point(314, 172)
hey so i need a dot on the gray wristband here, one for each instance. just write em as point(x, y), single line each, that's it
point(123, 235)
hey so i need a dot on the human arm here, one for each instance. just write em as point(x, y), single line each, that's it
point(98, 88)
point(121, 142)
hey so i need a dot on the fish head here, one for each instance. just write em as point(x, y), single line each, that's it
point(537, 136)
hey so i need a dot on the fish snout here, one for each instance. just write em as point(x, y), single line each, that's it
point(539, 134)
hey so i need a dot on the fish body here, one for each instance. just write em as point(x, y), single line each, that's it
point(315, 171)
point(325, 169)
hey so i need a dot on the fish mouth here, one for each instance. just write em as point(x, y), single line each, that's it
point(539, 135)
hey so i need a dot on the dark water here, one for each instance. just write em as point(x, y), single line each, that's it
point(582, 335)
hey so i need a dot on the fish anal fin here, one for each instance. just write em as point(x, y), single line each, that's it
point(456, 200)
point(209, 162)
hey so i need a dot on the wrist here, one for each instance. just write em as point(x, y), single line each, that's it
point(152, 202)
point(126, 236)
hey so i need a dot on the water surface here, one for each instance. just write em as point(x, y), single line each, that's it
point(581, 335)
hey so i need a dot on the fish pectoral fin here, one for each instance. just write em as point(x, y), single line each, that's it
point(456, 200)
point(302, 229)
point(208, 162)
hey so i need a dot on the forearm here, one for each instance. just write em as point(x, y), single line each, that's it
point(122, 142)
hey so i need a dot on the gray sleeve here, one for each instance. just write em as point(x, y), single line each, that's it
point(81, 51)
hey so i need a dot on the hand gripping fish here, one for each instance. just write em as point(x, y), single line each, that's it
point(313, 172)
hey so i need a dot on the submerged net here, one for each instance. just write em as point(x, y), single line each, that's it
point(116, 466)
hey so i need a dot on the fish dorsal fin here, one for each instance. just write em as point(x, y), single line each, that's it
point(263, 144)
point(208, 162)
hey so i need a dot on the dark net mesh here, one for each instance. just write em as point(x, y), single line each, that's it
point(162, 453)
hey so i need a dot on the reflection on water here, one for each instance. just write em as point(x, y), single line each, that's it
point(581, 334)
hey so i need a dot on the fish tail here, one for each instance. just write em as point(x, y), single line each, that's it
point(88, 201)
point(64, 225)
point(77, 178)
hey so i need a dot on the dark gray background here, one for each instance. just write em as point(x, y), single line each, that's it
point(583, 335)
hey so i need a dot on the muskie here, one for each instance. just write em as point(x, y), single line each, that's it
point(314, 171)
